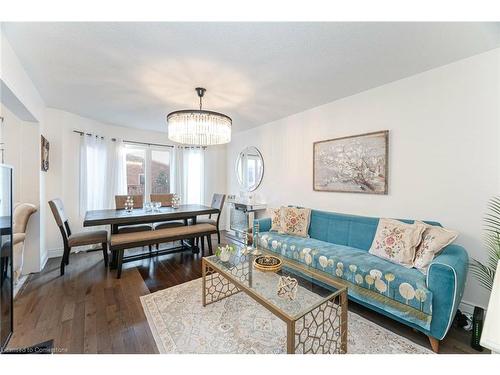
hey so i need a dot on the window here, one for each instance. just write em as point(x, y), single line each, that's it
point(148, 171)
point(136, 168)
point(160, 172)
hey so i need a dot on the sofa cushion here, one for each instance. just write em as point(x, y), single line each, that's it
point(396, 241)
point(275, 214)
point(389, 286)
point(434, 239)
point(343, 229)
point(295, 221)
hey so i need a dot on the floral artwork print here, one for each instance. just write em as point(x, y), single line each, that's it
point(352, 164)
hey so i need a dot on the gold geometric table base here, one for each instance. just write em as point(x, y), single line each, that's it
point(215, 287)
point(321, 330)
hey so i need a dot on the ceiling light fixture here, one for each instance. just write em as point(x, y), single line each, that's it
point(199, 127)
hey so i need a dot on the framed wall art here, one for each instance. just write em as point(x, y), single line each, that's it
point(45, 154)
point(354, 164)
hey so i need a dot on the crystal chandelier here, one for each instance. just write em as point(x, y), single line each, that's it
point(199, 127)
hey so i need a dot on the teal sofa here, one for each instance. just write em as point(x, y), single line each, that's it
point(338, 246)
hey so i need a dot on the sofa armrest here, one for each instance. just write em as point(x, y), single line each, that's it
point(446, 277)
point(264, 224)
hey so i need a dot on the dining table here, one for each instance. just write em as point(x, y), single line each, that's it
point(121, 217)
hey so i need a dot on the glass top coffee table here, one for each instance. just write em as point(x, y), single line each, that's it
point(316, 316)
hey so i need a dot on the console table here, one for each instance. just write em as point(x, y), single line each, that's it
point(241, 217)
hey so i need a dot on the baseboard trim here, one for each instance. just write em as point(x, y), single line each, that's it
point(55, 253)
point(468, 307)
point(44, 262)
point(58, 252)
point(20, 284)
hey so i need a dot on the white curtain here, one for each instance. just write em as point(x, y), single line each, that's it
point(117, 171)
point(189, 168)
point(92, 173)
point(102, 173)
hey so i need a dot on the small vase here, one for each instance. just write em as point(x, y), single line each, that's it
point(224, 255)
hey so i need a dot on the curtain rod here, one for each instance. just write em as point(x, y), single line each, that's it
point(125, 141)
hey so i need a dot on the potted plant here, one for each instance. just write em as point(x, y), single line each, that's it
point(225, 252)
point(485, 272)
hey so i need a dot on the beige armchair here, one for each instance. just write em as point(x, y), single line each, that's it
point(21, 216)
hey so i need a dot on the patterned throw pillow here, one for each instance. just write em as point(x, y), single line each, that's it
point(434, 239)
point(275, 219)
point(295, 221)
point(396, 241)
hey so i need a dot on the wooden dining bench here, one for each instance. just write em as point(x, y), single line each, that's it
point(122, 241)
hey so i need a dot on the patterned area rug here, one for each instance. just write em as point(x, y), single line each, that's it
point(238, 324)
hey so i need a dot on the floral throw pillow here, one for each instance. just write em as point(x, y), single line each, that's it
point(396, 241)
point(275, 219)
point(295, 221)
point(434, 239)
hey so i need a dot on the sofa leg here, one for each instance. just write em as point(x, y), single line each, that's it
point(434, 344)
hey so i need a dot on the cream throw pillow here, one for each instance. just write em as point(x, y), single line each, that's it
point(275, 219)
point(396, 241)
point(434, 239)
point(295, 221)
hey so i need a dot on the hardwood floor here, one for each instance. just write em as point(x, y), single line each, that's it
point(88, 310)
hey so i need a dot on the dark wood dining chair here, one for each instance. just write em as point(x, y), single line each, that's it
point(218, 203)
point(71, 240)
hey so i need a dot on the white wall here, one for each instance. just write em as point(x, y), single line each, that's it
point(15, 77)
point(20, 96)
point(62, 179)
point(26, 111)
point(22, 143)
point(444, 150)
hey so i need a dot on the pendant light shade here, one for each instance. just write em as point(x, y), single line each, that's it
point(199, 127)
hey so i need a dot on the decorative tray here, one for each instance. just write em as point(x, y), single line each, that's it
point(268, 263)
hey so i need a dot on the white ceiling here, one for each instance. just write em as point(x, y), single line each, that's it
point(133, 74)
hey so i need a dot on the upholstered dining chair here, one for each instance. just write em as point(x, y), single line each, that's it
point(138, 203)
point(121, 199)
point(21, 215)
point(76, 239)
point(217, 202)
point(166, 201)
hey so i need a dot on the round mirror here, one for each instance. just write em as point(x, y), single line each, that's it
point(250, 168)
